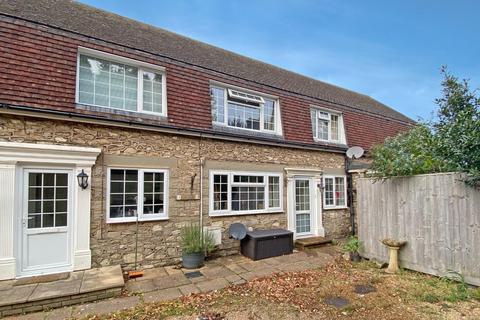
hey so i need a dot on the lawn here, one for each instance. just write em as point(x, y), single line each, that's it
point(327, 293)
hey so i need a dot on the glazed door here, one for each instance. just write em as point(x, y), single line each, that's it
point(304, 206)
point(46, 221)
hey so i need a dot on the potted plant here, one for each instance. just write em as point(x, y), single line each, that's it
point(352, 246)
point(195, 243)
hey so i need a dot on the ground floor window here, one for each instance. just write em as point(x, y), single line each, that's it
point(334, 192)
point(244, 192)
point(132, 192)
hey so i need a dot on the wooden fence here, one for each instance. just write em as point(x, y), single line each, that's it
point(437, 214)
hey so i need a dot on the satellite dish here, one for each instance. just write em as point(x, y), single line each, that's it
point(355, 152)
point(237, 231)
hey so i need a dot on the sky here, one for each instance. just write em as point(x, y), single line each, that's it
point(389, 50)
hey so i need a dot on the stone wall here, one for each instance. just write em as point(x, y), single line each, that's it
point(158, 240)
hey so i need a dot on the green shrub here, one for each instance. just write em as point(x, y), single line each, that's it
point(194, 240)
point(352, 245)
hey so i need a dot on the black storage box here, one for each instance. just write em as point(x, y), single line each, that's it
point(261, 244)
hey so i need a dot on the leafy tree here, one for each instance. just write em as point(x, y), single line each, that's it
point(450, 142)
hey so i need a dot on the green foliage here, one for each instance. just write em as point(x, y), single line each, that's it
point(194, 240)
point(352, 245)
point(449, 143)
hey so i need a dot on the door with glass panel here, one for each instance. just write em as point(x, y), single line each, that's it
point(303, 208)
point(46, 221)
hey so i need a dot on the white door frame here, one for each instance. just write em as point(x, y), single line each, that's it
point(22, 269)
point(315, 178)
point(14, 156)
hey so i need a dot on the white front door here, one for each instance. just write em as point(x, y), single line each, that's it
point(304, 203)
point(46, 244)
point(304, 206)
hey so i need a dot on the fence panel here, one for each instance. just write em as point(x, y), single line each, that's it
point(437, 214)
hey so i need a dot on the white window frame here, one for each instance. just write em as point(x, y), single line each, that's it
point(229, 88)
point(141, 68)
point(231, 184)
point(141, 216)
point(341, 129)
point(334, 206)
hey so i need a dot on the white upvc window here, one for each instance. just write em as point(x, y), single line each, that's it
point(132, 192)
point(243, 109)
point(113, 82)
point(237, 193)
point(327, 126)
point(334, 192)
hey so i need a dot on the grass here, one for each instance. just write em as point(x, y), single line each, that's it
point(302, 295)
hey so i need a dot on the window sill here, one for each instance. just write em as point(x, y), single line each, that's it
point(248, 213)
point(130, 220)
point(137, 114)
point(335, 208)
point(218, 126)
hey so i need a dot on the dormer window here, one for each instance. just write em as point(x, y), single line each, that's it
point(242, 109)
point(327, 126)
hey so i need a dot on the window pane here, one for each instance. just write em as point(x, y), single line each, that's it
point(123, 193)
point(152, 92)
point(248, 198)
point(105, 83)
point(47, 197)
point(269, 115)
point(334, 127)
point(302, 195)
point(339, 191)
point(313, 116)
point(154, 196)
point(303, 222)
point(274, 192)
point(220, 192)
point(243, 116)
point(328, 191)
point(218, 104)
point(322, 132)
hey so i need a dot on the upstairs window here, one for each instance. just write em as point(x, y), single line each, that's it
point(244, 110)
point(327, 126)
point(117, 83)
point(233, 193)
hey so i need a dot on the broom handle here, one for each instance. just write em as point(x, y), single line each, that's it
point(136, 239)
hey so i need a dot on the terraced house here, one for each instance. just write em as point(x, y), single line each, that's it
point(103, 119)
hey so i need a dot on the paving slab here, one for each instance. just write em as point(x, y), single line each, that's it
point(162, 295)
point(214, 284)
point(188, 289)
point(101, 279)
point(253, 265)
point(56, 289)
point(171, 270)
point(233, 278)
point(236, 268)
point(16, 294)
point(105, 306)
point(216, 272)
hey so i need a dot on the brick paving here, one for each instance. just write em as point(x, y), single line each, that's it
point(167, 283)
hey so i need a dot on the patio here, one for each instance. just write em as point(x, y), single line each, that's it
point(167, 283)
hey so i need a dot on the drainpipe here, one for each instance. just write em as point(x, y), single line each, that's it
point(350, 194)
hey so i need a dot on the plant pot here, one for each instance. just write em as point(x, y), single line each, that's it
point(193, 260)
point(355, 256)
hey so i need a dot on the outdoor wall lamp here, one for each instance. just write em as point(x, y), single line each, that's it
point(82, 178)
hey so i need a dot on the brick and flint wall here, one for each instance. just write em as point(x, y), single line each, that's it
point(158, 240)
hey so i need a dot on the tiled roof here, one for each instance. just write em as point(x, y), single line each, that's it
point(92, 22)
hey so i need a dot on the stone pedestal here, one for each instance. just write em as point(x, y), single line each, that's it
point(393, 262)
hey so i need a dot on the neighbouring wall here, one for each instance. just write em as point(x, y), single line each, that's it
point(437, 214)
point(124, 147)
